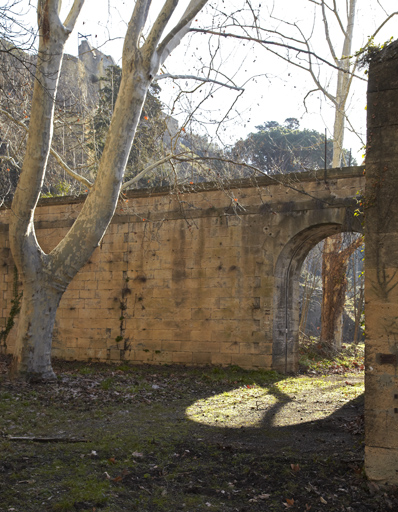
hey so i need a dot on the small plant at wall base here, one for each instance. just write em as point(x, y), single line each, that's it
point(15, 309)
point(316, 356)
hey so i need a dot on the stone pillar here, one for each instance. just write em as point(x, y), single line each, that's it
point(381, 269)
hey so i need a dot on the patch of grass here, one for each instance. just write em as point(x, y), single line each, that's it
point(107, 383)
point(124, 368)
point(87, 370)
point(319, 357)
point(87, 494)
point(168, 439)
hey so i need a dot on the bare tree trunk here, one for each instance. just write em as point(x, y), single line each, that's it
point(308, 292)
point(332, 309)
point(304, 306)
point(40, 300)
point(334, 280)
point(32, 356)
point(358, 301)
point(344, 78)
point(334, 286)
point(45, 277)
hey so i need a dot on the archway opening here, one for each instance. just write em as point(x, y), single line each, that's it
point(288, 269)
point(332, 301)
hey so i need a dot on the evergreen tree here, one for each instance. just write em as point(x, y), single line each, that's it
point(285, 148)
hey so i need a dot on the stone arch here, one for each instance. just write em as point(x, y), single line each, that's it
point(286, 291)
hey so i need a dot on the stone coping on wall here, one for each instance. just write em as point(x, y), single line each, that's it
point(260, 181)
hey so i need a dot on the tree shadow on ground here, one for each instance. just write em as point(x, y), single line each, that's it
point(178, 439)
point(284, 424)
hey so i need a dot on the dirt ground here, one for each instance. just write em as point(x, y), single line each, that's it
point(145, 438)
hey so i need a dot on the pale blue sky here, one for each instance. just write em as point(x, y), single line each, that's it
point(278, 90)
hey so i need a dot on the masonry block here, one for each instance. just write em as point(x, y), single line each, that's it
point(114, 354)
point(149, 344)
point(143, 355)
point(223, 359)
point(163, 356)
point(243, 360)
point(201, 357)
point(182, 357)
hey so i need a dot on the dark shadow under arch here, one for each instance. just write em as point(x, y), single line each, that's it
point(285, 354)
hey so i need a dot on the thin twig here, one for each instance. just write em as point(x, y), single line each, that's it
point(48, 439)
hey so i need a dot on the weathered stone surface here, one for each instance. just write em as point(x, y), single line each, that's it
point(381, 464)
point(200, 286)
point(381, 270)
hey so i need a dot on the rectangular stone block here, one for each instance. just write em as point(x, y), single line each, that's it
point(229, 347)
point(155, 335)
point(203, 335)
point(149, 344)
point(92, 314)
point(182, 357)
point(171, 346)
point(199, 346)
point(222, 359)
point(163, 357)
point(263, 361)
point(143, 355)
point(90, 285)
point(223, 336)
point(181, 335)
point(381, 427)
point(381, 250)
point(202, 357)
point(381, 464)
point(255, 347)
point(243, 360)
point(67, 314)
point(225, 314)
point(101, 355)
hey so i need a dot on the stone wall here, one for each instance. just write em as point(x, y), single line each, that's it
point(381, 267)
point(187, 276)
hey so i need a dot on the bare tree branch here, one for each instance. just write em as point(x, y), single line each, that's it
point(74, 12)
point(173, 38)
point(11, 160)
point(146, 170)
point(267, 42)
point(134, 29)
point(57, 157)
point(327, 33)
point(193, 77)
point(158, 27)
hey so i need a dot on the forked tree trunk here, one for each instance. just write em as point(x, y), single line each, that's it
point(45, 277)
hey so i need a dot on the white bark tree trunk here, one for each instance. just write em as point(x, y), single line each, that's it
point(32, 356)
point(45, 277)
point(331, 258)
point(40, 296)
point(344, 79)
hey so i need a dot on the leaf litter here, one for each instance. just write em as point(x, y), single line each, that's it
point(173, 438)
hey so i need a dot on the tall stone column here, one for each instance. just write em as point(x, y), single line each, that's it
point(381, 269)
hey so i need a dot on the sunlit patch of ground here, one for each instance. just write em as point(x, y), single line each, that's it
point(225, 409)
point(302, 398)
